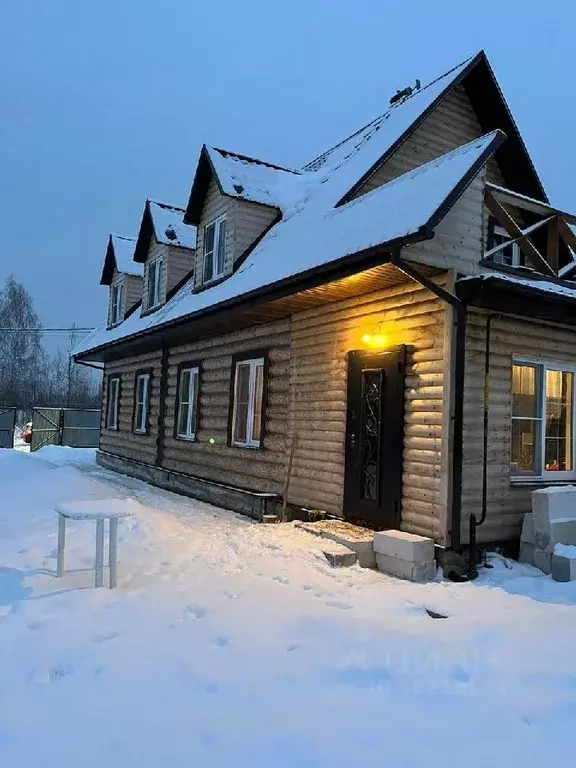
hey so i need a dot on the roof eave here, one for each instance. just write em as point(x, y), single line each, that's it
point(343, 267)
point(506, 297)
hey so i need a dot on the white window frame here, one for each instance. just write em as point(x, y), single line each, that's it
point(547, 475)
point(516, 260)
point(141, 427)
point(157, 266)
point(117, 298)
point(217, 269)
point(253, 363)
point(192, 400)
point(113, 414)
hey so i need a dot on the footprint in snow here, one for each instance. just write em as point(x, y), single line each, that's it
point(221, 641)
point(338, 604)
point(281, 579)
point(306, 587)
point(51, 674)
point(293, 647)
point(105, 636)
point(196, 611)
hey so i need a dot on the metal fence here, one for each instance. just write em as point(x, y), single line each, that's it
point(7, 424)
point(75, 427)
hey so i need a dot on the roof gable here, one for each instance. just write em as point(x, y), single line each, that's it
point(404, 117)
point(119, 257)
point(242, 177)
point(165, 223)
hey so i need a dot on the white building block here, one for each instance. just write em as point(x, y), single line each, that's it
point(526, 554)
point(543, 560)
point(527, 534)
point(564, 563)
point(422, 570)
point(559, 532)
point(553, 504)
point(405, 546)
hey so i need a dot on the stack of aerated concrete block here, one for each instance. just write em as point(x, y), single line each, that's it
point(405, 555)
point(552, 523)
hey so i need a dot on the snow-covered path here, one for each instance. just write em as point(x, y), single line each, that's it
point(233, 644)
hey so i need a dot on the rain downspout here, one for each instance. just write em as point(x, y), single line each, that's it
point(474, 523)
point(458, 415)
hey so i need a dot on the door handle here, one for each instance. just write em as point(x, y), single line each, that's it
point(352, 440)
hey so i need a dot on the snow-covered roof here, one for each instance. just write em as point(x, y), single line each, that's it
point(123, 253)
point(119, 256)
point(556, 287)
point(251, 179)
point(169, 227)
point(318, 235)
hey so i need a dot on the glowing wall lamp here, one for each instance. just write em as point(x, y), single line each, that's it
point(376, 338)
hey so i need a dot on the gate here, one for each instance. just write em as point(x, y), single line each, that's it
point(7, 424)
point(74, 427)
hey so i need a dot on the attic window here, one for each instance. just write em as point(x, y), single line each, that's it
point(171, 234)
point(117, 303)
point(154, 283)
point(214, 249)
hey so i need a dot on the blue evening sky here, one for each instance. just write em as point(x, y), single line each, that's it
point(106, 102)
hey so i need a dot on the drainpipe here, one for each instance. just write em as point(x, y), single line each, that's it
point(459, 359)
point(474, 523)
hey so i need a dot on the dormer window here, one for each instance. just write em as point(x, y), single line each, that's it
point(214, 249)
point(117, 303)
point(154, 283)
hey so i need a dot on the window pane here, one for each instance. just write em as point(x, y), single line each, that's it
point(140, 416)
point(241, 398)
point(209, 235)
point(559, 421)
point(183, 419)
point(151, 285)
point(525, 449)
point(258, 392)
point(184, 386)
point(192, 406)
point(221, 246)
point(525, 391)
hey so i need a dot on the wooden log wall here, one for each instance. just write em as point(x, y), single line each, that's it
point(321, 338)
point(124, 441)
point(259, 470)
point(507, 501)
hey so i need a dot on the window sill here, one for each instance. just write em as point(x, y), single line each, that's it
point(140, 431)
point(247, 445)
point(150, 310)
point(542, 481)
point(186, 438)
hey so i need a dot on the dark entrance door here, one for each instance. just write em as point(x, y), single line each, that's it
point(374, 437)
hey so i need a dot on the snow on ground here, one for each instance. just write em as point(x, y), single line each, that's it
point(233, 644)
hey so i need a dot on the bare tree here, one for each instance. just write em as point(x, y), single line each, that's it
point(20, 348)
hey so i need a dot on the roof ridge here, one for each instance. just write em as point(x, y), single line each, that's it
point(248, 158)
point(377, 119)
point(167, 205)
point(123, 237)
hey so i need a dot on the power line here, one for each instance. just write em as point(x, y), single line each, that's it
point(46, 330)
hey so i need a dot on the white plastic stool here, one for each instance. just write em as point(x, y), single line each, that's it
point(100, 510)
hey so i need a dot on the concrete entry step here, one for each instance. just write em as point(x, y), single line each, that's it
point(353, 537)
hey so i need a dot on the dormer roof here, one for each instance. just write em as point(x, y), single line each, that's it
point(243, 177)
point(119, 257)
point(165, 223)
